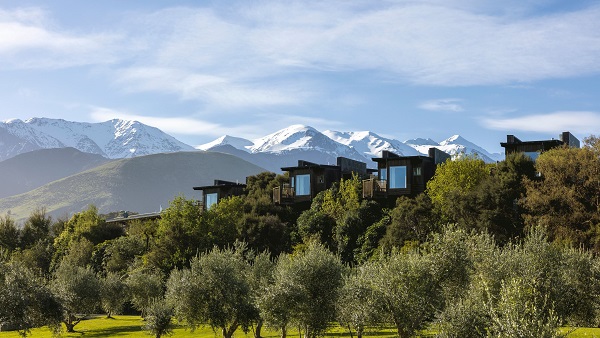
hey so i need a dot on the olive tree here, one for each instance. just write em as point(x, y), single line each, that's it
point(408, 291)
point(159, 319)
point(78, 291)
point(309, 282)
point(113, 293)
point(214, 291)
point(25, 300)
point(144, 286)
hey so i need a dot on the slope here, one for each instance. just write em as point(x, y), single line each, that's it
point(33, 169)
point(141, 184)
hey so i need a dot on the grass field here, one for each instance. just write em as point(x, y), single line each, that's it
point(131, 326)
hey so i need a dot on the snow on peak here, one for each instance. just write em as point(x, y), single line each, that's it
point(294, 136)
point(236, 142)
point(421, 142)
point(454, 139)
point(112, 139)
point(370, 144)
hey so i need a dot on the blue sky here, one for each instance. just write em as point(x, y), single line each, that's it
point(403, 69)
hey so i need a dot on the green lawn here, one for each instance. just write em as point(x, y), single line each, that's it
point(131, 326)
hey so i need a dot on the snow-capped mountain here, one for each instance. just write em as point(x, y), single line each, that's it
point(236, 142)
point(370, 144)
point(111, 139)
point(456, 146)
point(286, 146)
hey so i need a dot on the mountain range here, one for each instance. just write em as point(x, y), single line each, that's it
point(126, 165)
point(284, 147)
point(111, 139)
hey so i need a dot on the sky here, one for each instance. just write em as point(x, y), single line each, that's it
point(402, 69)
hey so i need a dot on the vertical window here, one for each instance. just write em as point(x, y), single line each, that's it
point(211, 199)
point(383, 174)
point(417, 171)
point(292, 182)
point(303, 185)
point(398, 177)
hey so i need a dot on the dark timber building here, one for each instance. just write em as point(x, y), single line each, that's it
point(212, 194)
point(307, 179)
point(533, 149)
point(402, 175)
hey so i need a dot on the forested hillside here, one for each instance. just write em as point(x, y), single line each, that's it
point(507, 250)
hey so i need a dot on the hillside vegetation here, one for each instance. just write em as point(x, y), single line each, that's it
point(489, 250)
point(140, 184)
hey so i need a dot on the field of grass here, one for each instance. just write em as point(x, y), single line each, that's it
point(131, 326)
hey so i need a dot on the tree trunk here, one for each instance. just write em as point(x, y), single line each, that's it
point(70, 322)
point(283, 332)
point(228, 333)
point(259, 325)
point(359, 331)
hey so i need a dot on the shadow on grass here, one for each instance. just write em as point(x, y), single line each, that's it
point(113, 331)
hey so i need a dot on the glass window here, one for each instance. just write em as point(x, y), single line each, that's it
point(292, 181)
point(533, 155)
point(398, 177)
point(417, 171)
point(303, 185)
point(211, 199)
point(383, 174)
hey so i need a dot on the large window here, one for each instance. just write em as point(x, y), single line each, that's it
point(303, 185)
point(398, 177)
point(211, 199)
point(532, 154)
point(383, 174)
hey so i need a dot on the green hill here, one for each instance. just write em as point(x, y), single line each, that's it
point(140, 184)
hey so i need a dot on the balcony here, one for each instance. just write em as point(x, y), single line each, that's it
point(283, 195)
point(374, 188)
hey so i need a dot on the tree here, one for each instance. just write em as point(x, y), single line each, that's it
point(213, 291)
point(357, 305)
point(260, 277)
point(311, 279)
point(411, 220)
point(113, 293)
point(407, 289)
point(86, 225)
point(26, 300)
point(452, 181)
point(36, 228)
point(179, 235)
point(78, 291)
point(566, 200)
point(9, 234)
point(159, 321)
point(144, 286)
point(316, 224)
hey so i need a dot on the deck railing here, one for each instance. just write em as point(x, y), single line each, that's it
point(283, 194)
point(372, 186)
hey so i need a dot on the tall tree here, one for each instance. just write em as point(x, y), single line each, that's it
point(566, 200)
point(144, 286)
point(26, 300)
point(213, 291)
point(78, 291)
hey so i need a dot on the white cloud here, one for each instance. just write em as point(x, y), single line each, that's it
point(582, 122)
point(28, 42)
point(175, 125)
point(445, 105)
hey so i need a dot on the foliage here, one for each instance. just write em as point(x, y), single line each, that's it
point(144, 286)
point(411, 220)
point(26, 301)
point(113, 293)
point(9, 234)
point(213, 291)
point(310, 281)
point(407, 290)
point(159, 319)
point(566, 200)
point(358, 305)
point(453, 180)
point(78, 291)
